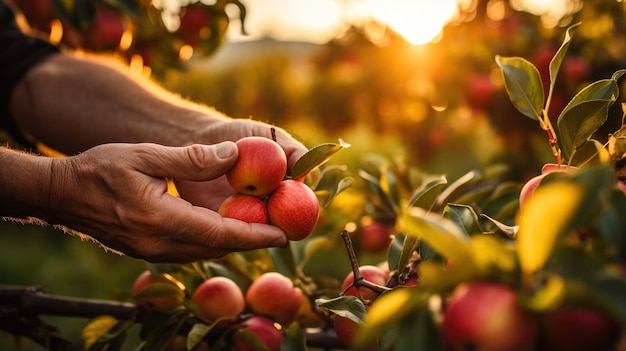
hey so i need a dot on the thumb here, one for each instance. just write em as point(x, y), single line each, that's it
point(197, 162)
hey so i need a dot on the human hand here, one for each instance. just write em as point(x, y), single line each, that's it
point(233, 130)
point(117, 194)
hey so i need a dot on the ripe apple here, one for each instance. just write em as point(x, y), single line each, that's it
point(193, 20)
point(264, 330)
point(260, 168)
point(370, 273)
point(532, 184)
point(38, 13)
point(347, 331)
point(294, 208)
point(487, 316)
point(575, 329)
point(219, 297)
point(163, 294)
point(105, 32)
point(480, 91)
point(374, 237)
point(274, 295)
point(245, 208)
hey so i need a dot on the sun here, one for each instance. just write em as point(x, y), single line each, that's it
point(417, 21)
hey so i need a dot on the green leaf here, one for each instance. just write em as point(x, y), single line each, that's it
point(294, 339)
point(585, 113)
point(159, 328)
point(419, 332)
point(547, 214)
point(510, 231)
point(443, 235)
point(456, 186)
point(464, 216)
point(388, 310)
point(315, 157)
point(350, 307)
point(284, 261)
point(426, 195)
point(252, 340)
point(333, 180)
point(555, 63)
point(523, 84)
point(198, 332)
point(591, 152)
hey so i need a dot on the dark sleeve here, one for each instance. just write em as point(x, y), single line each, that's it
point(18, 53)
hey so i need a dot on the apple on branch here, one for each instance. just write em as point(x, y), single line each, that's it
point(219, 297)
point(274, 295)
point(294, 208)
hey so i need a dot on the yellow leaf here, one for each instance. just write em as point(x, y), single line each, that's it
point(96, 328)
point(543, 218)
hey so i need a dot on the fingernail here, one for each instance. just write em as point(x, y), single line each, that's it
point(225, 149)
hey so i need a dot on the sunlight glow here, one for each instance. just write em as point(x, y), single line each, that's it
point(419, 22)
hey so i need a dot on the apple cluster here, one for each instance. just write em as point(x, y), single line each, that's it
point(265, 195)
point(271, 301)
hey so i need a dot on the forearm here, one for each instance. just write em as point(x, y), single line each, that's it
point(25, 180)
point(72, 104)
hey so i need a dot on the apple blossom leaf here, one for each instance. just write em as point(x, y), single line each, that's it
point(350, 307)
point(555, 63)
point(389, 309)
point(284, 261)
point(585, 113)
point(523, 85)
point(315, 157)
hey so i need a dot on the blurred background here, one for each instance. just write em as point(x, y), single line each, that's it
point(414, 81)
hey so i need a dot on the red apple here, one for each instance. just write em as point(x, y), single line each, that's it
point(532, 184)
point(193, 20)
point(294, 208)
point(154, 292)
point(575, 329)
point(347, 331)
point(370, 273)
point(480, 91)
point(105, 32)
point(274, 295)
point(260, 168)
point(38, 13)
point(487, 316)
point(374, 237)
point(219, 297)
point(245, 208)
point(264, 330)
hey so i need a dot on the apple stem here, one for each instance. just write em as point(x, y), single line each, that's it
point(273, 131)
point(359, 280)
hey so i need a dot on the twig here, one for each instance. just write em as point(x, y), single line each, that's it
point(359, 280)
